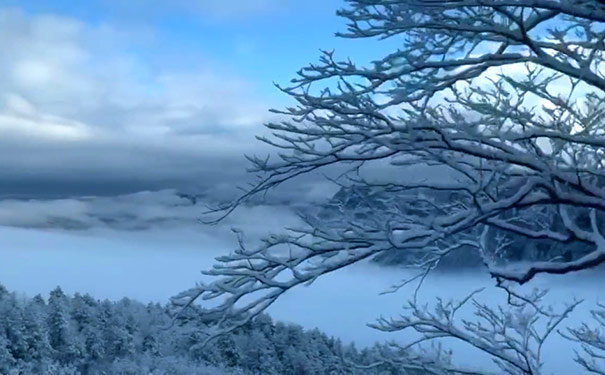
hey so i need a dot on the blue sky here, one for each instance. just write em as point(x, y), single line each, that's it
point(125, 96)
point(264, 41)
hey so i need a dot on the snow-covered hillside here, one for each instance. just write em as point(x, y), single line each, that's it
point(154, 265)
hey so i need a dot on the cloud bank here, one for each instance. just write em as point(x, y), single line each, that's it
point(142, 211)
point(84, 110)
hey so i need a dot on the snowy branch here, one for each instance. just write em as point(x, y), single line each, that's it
point(501, 103)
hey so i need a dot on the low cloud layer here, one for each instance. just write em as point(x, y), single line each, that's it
point(142, 211)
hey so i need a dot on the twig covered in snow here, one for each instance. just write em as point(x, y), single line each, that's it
point(500, 103)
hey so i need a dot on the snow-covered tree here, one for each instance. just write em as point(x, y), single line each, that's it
point(127, 337)
point(35, 331)
point(88, 331)
point(512, 336)
point(591, 337)
point(117, 335)
point(6, 358)
point(497, 103)
point(257, 353)
point(486, 120)
point(60, 333)
point(13, 324)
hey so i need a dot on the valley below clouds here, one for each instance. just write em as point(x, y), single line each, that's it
point(163, 260)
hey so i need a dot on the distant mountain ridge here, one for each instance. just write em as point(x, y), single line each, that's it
point(360, 202)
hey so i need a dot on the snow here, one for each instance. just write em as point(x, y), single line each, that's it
point(155, 265)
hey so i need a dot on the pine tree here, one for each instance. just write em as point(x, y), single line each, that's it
point(60, 335)
point(119, 342)
point(38, 344)
point(228, 350)
point(257, 354)
point(86, 326)
point(7, 361)
point(12, 323)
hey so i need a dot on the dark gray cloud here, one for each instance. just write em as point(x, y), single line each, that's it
point(144, 210)
point(79, 115)
point(49, 169)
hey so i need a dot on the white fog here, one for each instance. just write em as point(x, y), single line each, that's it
point(154, 265)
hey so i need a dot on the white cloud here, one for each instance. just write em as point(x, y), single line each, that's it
point(44, 127)
point(96, 97)
point(58, 67)
point(17, 104)
point(139, 211)
point(20, 118)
